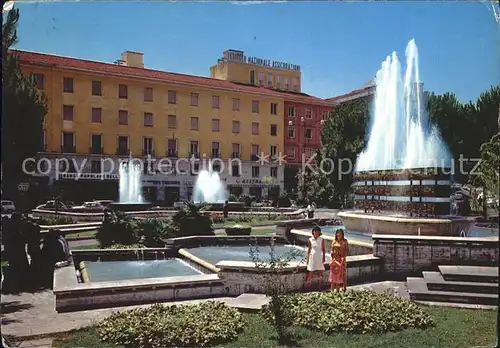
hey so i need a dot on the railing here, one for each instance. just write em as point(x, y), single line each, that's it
point(216, 154)
point(96, 150)
point(122, 152)
point(146, 152)
point(172, 153)
point(235, 155)
point(194, 154)
point(68, 149)
point(254, 157)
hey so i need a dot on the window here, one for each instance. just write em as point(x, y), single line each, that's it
point(261, 79)
point(326, 113)
point(123, 117)
point(252, 77)
point(291, 131)
point(95, 166)
point(274, 130)
point(215, 125)
point(269, 80)
point(236, 104)
point(122, 91)
point(308, 133)
point(215, 149)
point(291, 111)
point(39, 80)
point(96, 88)
point(172, 147)
point(255, 172)
point(236, 150)
point(67, 84)
point(172, 121)
point(96, 115)
point(215, 102)
point(296, 84)
point(235, 170)
point(308, 113)
point(68, 142)
point(148, 119)
point(273, 150)
point(122, 145)
point(194, 123)
point(194, 149)
point(194, 99)
point(308, 153)
point(147, 146)
point(287, 84)
point(255, 128)
point(255, 149)
point(96, 144)
point(290, 152)
point(236, 126)
point(278, 82)
point(172, 97)
point(274, 172)
point(274, 109)
point(255, 106)
point(68, 112)
point(148, 94)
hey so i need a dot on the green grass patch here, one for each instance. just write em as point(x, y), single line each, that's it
point(86, 247)
point(454, 328)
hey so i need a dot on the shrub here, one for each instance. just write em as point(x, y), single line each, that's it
point(117, 228)
point(192, 221)
point(59, 220)
point(247, 199)
point(353, 312)
point(153, 232)
point(200, 325)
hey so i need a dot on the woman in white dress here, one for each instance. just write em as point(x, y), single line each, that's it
point(315, 258)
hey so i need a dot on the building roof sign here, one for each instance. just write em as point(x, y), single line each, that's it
point(238, 56)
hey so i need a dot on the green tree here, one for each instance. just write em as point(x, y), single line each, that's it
point(23, 112)
point(490, 164)
point(343, 137)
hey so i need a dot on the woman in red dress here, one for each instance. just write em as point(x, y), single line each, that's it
point(338, 265)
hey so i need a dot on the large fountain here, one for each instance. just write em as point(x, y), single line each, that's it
point(130, 188)
point(403, 177)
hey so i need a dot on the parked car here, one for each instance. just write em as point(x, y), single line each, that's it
point(89, 207)
point(105, 202)
point(8, 207)
point(51, 205)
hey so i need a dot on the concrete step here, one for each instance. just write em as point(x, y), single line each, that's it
point(436, 282)
point(480, 274)
point(417, 288)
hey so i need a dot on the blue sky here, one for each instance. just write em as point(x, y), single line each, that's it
point(339, 45)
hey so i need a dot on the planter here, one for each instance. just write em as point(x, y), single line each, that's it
point(238, 231)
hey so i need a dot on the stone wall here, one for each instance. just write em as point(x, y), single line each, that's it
point(243, 277)
point(412, 254)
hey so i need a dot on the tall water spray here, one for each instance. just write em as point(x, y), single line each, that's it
point(401, 136)
point(130, 184)
point(209, 188)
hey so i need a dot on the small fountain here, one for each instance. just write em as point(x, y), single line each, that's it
point(130, 188)
point(210, 189)
point(403, 177)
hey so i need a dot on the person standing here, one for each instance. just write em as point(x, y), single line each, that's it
point(315, 258)
point(338, 265)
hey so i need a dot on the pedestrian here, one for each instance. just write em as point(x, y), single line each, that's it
point(315, 258)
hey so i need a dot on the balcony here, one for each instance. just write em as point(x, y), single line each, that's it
point(172, 153)
point(254, 157)
point(68, 149)
point(96, 150)
point(235, 155)
point(216, 154)
point(150, 152)
point(194, 154)
point(122, 151)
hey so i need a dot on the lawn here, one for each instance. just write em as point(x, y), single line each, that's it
point(455, 328)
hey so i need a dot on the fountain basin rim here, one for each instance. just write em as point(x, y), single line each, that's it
point(395, 218)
